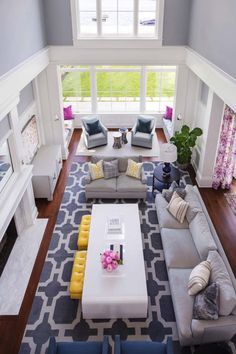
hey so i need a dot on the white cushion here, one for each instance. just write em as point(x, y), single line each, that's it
point(177, 207)
point(199, 278)
point(202, 236)
point(220, 275)
point(194, 202)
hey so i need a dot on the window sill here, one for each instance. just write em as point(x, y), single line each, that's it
point(118, 43)
point(120, 113)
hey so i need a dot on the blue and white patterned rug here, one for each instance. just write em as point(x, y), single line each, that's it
point(53, 313)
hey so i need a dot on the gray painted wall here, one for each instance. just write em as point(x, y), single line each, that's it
point(176, 22)
point(213, 32)
point(58, 22)
point(59, 28)
point(26, 98)
point(22, 31)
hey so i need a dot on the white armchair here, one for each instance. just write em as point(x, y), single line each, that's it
point(94, 132)
point(143, 137)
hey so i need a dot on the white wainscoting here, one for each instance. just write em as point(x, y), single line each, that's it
point(16, 79)
point(69, 55)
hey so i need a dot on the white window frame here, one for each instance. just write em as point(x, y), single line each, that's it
point(143, 82)
point(113, 41)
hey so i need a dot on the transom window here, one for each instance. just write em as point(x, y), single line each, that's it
point(118, 18)
point(100, 89)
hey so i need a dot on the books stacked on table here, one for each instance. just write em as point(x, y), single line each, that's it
point(114, 225)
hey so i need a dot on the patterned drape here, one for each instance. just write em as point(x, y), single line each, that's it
point(226, 156)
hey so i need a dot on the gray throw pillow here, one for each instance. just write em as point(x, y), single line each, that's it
point(110, 169)
point(167, 194)
point(205, 306)
point(194, 203)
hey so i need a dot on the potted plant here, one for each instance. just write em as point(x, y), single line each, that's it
point(185, 140)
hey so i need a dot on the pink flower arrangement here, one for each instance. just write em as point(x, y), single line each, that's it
point(110, 260)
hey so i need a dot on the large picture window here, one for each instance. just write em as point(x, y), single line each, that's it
point(160, 88)
point(76, 88)
point(119, 89)
point(117, 18)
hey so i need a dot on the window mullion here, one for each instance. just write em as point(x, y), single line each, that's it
point(143, 80)
point(99, 18)
point(157, 25)
point(111, 95)
point(93, 89)
point(135, 17)
point(117, 17)
point(160, 93)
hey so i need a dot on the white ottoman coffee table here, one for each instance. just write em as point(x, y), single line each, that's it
point(122, 293)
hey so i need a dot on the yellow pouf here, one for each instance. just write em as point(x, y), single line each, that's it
point(77, 275)
point(83, 235)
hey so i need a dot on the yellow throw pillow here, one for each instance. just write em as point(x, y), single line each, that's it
point(199, 278)
point(96, 170)
point(177, 207)
point(134, 169)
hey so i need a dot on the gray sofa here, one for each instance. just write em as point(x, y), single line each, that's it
point(186, 245)
point(119, 187)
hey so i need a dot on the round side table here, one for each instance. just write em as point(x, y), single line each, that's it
point(117, 140)
point(123, 132)
point(161, 181)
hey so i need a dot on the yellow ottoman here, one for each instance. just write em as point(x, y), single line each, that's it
point(77, 275)
point(83, 235)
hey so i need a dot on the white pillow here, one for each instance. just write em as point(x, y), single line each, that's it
point(177, 207)
point(199, 278)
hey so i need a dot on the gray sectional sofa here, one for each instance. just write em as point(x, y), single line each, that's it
point(119, 187)
point(186, 245)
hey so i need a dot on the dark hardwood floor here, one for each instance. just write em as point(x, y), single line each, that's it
point(12, 327)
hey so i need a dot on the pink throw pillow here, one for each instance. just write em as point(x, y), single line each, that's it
point(168, 114)
point(68, 114)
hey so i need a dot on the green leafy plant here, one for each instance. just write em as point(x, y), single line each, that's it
point(185, 140)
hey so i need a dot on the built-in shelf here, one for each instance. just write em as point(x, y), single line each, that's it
point(47, 165)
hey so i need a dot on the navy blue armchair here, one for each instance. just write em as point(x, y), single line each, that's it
point(141, 347)
point(78, 347)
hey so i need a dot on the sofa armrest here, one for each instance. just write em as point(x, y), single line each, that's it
point(153, 131)
point(86, 134)
point(216, 330)
point(117, 344)
point(133, 130)
point(104, 129)
point(87, 179)
point(143, 176)
point(52, 348)
point(169, 346)
point(105, 345)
